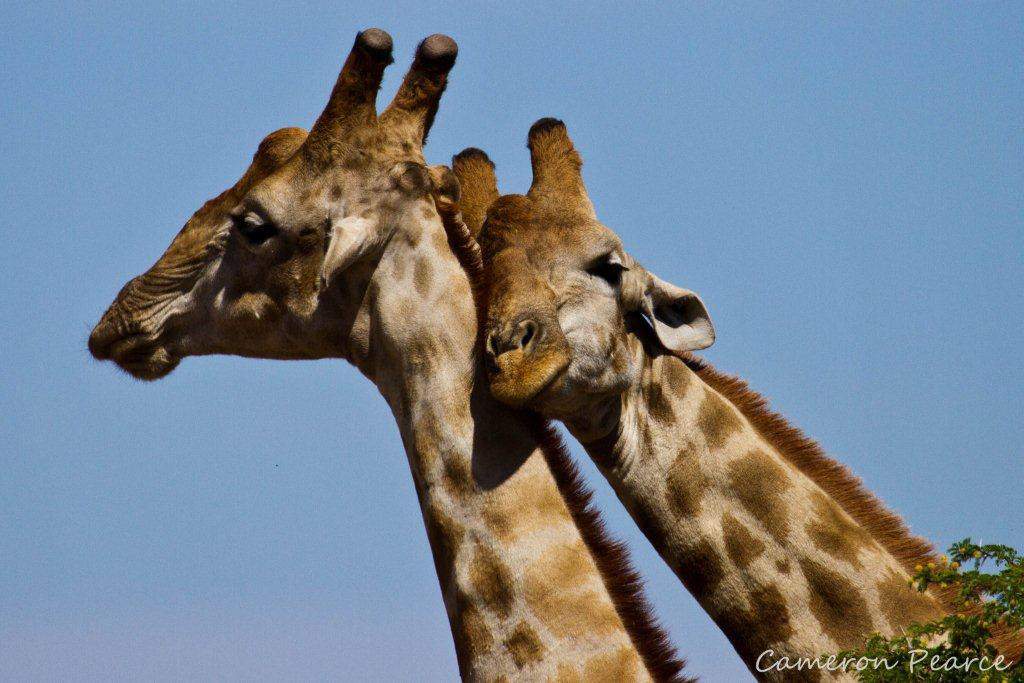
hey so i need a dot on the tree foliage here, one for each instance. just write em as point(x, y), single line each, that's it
point(956, 648)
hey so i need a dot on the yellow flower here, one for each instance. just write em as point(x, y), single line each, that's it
point(977, 554)
point(931, 565)
point(955, 565)
point(943, 559)
point(918, 568)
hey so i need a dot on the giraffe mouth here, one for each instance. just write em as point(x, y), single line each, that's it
point(140, 355)
point(517, 379)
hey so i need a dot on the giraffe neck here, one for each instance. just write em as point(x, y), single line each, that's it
point(769, 553)
point(522, 586)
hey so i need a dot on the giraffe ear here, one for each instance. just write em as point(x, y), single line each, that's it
point(678, 316)
point(445, 184)
point(351, 239)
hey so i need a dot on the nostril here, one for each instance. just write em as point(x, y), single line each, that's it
point(528, 331)
point(520, 336)
point(492, 344)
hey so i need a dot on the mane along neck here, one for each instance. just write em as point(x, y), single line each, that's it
point(836, 480)
point(612, 558)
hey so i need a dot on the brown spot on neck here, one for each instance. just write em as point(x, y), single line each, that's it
point(765, 624)
point(834, 532)
point(675, 375)
point(665, 380)
point(685, 483)
point(563, 610)
point(571, 563)
point(717, 420)
point(660, 404)
point(458, 477)
point(524, 645)
point(492, 580)
point(837, 604)
point(760, 484)
point(740, 545)
point(700, 568)
point(902, 604)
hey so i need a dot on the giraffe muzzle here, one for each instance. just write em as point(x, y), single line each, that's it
point(523, 360)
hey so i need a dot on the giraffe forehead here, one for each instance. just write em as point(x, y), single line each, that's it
point(576, 235)
point(542, 249)
point(546, 227)
point(361, 176)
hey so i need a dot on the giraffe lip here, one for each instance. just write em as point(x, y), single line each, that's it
point(555, 376)
point(517, 383)
point(142, 356)
point(131, 346)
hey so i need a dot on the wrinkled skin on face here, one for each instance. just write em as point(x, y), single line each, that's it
point(278, 265)
point(564, 296)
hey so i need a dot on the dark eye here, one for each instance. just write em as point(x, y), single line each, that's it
point(609, 269)
point(255, 230)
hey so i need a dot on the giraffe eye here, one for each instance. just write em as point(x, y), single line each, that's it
point(609, 269)
point(255, 230)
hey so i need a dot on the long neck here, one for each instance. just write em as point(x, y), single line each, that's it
point(782, 547)
point(522, 585)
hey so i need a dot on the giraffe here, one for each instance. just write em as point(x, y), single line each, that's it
point(785, 549)
point(330, 246)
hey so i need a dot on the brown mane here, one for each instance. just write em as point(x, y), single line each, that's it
point(884, 525)
point(612, 557)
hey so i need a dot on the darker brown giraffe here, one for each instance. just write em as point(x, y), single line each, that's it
point(331, 246)
point(780, 544)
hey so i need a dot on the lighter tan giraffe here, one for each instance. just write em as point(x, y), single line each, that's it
point(330, 246)
point(787, 552)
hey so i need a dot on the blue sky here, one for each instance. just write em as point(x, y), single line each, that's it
point(842, 184)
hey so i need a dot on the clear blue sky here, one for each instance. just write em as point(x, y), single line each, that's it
point(843, 185)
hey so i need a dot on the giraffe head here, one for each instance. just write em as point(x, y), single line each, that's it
point(564, 296)
point(249, 272)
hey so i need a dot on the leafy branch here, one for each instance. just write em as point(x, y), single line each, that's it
point(957, 647)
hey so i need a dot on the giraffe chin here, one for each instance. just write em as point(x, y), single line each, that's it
point(144, 361)
point(519, 378)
